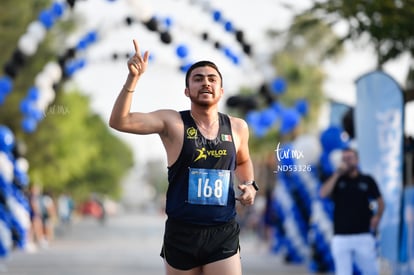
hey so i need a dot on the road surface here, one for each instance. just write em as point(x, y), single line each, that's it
point(127, 244)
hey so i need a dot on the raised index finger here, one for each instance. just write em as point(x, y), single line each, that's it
point(136, 46)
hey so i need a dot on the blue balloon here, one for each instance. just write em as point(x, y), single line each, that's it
point(184, 68)
point(70, 69)
point(231, 55)
point(268, 117)
point(168, 22)
point(228, 26)
point(81, 63)
point(302, 106)
point(21, 197)
point(5, 217)
point(331, 139)
point(46, 18)
point(29, 124)
point(27, 106)
point(227, 51)
point(253, 118)
point(88, 39)
point(235, 59)
point(82, 45)
point(33, 93)
point(290, 119)
point(217, 15)
point(21, 178)
point(259, 130)
point(75, 65)
point(20, 230)
point(6, 85)
point(151, 57)
point(6, 139)
point(278, 85)
point(58, 9)
point(92, 36)
point(277, 107)
point(325, 164)
point(182, 51)
point(37, 114)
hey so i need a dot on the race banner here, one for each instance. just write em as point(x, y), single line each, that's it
point(407, 239)
point(379, 128)
point(337, 112)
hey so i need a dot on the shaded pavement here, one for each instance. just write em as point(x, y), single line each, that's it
point(126, 244)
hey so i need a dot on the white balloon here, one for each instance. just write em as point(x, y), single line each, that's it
point(317, 215)
point(48, 94)
point(22, 164)
point(43, 80)
point(308, 146)
point(53, 70)
point(27, 44)
point(5, 235)
point(335, 157)
point(19, 212)
point(141, 9)
point(105, 29)
point(6, 167)
point(37, 30)
point(42, 103)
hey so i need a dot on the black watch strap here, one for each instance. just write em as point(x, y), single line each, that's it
point(253, 183)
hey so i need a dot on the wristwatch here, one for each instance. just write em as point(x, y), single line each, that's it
point(252, 182)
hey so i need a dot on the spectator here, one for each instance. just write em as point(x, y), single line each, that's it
point(354, 220)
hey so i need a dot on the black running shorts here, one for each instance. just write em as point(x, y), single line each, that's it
point(187, 246)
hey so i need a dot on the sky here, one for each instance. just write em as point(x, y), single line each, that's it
point(162, 85)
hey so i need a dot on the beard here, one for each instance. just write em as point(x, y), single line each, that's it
point(198, 100)
point(350, 169)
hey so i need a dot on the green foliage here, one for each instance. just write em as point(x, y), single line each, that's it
point(304, 81)
point(72, 149)
point(15, 16)
point(311, 40)
point(388, 23)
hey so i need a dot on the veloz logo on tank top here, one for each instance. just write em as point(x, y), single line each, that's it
point(204, 154)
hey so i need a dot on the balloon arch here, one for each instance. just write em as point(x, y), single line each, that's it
point(296, 202)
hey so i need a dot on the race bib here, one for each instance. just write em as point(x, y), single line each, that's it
point(208, 186)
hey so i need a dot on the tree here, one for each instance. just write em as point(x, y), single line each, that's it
point(298, 61)
point(387, 24)
point(72, 148)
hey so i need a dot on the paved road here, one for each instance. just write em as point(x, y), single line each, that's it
point(127, 244)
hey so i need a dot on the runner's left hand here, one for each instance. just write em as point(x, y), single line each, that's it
point(248, 194)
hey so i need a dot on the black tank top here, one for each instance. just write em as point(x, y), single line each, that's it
point(200, 189)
